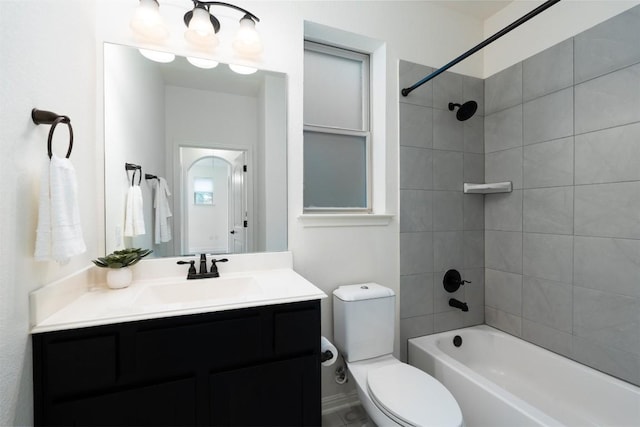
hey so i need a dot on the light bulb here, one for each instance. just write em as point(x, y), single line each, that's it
point(147, 21)
point(157, 56)
point(242, 69)
point(247, 41)
point(201, 32)
point(202, 63)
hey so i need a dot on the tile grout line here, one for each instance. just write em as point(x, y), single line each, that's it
point(573, 246)
point(522, 204)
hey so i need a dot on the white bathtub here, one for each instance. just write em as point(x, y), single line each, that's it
point(500, 380)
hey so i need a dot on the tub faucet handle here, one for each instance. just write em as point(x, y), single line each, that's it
point(453, 280)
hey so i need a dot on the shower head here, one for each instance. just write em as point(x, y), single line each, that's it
point(465, 111)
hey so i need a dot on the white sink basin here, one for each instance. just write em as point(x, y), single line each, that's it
point(220, 290)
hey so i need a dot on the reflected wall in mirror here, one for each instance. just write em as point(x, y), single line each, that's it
point(218, 140)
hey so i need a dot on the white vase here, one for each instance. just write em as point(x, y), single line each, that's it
point(118, 278)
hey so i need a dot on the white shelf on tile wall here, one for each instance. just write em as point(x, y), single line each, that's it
point(493, 187)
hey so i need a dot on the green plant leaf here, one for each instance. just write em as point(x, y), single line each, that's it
point(122, 258)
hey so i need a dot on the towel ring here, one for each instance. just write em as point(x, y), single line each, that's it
point(65, 120)
point(47, 117)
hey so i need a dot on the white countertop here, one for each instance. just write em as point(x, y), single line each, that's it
point(171, 296)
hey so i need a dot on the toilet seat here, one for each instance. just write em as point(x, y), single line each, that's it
point(411, 397)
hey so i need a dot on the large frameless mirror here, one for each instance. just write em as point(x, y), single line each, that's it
point(211, 144)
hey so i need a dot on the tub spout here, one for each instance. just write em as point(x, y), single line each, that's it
point(458, 304)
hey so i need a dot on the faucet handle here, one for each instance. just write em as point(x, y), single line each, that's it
point(214, 267)
point(192, 266)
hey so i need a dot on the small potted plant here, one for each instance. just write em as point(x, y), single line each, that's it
point(119, 274)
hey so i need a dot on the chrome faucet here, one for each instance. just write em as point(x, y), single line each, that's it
point(203, 273)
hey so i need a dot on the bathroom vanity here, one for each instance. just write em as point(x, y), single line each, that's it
point(251, 358)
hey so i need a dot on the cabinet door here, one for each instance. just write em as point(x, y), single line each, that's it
point(172, 403)
point(214, 344)
point(284, 393)
point(80, 364)
point(296, 331)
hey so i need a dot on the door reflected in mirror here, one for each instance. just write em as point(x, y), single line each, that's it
point(214, 200)
point(217, 138)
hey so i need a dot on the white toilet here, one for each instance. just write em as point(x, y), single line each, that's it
point(393, 393)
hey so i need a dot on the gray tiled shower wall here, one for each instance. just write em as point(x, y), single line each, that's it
point(557, 261)
point(440, 227)
point(562, 251)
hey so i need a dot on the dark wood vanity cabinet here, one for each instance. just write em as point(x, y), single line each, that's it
point(251, 367)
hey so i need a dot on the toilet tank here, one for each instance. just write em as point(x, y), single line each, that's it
point(363, 320)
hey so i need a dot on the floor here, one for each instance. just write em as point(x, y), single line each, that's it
point(350, 416)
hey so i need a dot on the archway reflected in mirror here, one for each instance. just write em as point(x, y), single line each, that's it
point(214, 201)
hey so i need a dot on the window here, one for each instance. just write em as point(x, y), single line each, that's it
point(337, 139)
point(203, 191)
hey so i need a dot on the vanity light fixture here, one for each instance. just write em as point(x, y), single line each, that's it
point(202, 62)
point(202, 26)
point(147, 21)
point(242, 69)
point(157, 56)
point(247, 41)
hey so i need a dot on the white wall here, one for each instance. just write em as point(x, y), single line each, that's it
point(561, 21)
point(272, 154)
point(48, 56)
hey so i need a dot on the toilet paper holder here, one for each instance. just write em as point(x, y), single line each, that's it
point(328, 352)
point(326, 355)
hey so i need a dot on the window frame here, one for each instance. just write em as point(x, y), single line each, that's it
point(365, 131)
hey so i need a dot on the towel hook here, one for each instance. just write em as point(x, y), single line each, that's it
point(49, 118)
point(132, 167)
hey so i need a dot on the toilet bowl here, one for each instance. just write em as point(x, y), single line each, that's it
point(391, 392)
point(396, 394)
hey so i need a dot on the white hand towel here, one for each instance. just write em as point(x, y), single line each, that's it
point(134, 213)
point(162, 211)
point(59, 232)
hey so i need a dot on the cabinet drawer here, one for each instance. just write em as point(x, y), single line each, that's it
point(213, 344)
point(81, 364)
point(296, 331)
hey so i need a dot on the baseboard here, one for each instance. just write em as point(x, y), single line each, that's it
point(339, 401)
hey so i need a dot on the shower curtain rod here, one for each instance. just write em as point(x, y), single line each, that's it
point(496, 36)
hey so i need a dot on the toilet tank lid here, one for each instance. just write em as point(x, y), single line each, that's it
point(362, 291)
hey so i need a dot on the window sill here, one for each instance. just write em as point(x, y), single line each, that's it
point(345, 220)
